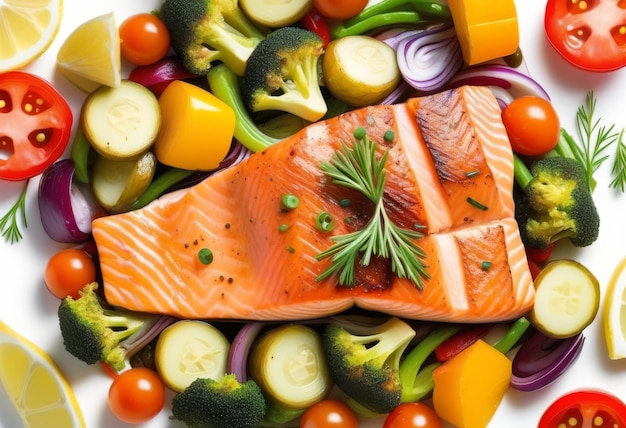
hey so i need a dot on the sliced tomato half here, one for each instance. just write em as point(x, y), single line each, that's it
point(585, 408)
point(590, 34)
point(35, 125)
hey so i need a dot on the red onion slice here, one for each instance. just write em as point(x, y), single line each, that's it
point(541, 360)
point(516, 83)
point(428, 59)
point(239, 349)
point(157, 76)
point(66, 208)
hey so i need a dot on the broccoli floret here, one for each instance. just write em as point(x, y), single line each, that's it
point(364, 362)
point(205, 31)
point(93, 333)
point(223, 403)
point(283, 74)
point(556, 203)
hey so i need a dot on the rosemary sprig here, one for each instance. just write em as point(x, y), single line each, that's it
point(358, 168)
point(595, 139)
point(9, 226)
point(619, 165)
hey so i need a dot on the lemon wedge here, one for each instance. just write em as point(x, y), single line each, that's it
point(28, 28)
point(615, 313)
point(90, 56)
point(41, 395)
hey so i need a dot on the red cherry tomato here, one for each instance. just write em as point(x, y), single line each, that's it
point(532, 125)
point(585, 408)
point(339, 9)
point(329, 414)
point(144, 39)
point(35, 125)
point(413, 415)
point(136, 395)
point(587, 34)
point(68, 272)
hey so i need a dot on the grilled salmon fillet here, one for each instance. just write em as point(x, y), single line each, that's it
point(449, 169)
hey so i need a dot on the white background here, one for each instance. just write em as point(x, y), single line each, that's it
point(26, 305)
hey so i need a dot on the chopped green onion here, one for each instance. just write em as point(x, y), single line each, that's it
point(345, 202)
point(205, 256)
point(476, 204)
point(324, 222)
point(283, 228)
point(360, 133)
point(291, 249)
point(486, 265)
point(470, 174)
point(389, 136)
point(289, 202)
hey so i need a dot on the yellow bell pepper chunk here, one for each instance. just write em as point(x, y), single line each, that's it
point(197, 128)
point(470, 386)
point(486, 29)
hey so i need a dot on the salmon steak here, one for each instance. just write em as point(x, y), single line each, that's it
point(226, 248)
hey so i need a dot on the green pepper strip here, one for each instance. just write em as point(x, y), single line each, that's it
point(425, 7)
point(372, 23)
point(416, 381)
point(160, 185)
point(224, 84)
point(512, 336)
point(81, 147)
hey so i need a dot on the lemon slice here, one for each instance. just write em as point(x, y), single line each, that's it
point(41, 395)
point(27, 29)
point(615, 313)
point(90, 56)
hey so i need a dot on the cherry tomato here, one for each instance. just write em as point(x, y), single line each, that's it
point(35, 125)
point(588, 35)
point(585, 408)
point(329, 414)
point(68, 272)
point(413, 415)
point(144, 39)
point(532, 125)
point(136, 395)
point(339, 9)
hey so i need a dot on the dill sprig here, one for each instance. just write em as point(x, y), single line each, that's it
point(594, 138)
point(359, 168)
point(9, 226)
point(619, 165)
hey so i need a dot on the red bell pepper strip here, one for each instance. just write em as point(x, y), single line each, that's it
point(35, 125)
point(460, 341)
point(315, 22)
point(540, 255)
point(590, 35)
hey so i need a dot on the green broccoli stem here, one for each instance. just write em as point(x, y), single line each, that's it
point(522, 174)
point(389, 19)
point(426, 7)
point(512, 336)
point(416, 382)
point(124, 324)
point(224, 84)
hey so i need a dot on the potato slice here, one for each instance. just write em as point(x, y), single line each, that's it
point(123, 122)
point(275, 13)
point(360, 70)
point(116, 184)
point(190, 349)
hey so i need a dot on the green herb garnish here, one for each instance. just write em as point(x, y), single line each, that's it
point(594, 138)
point(619, 165)
point(358, 168)
point(9, 226)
